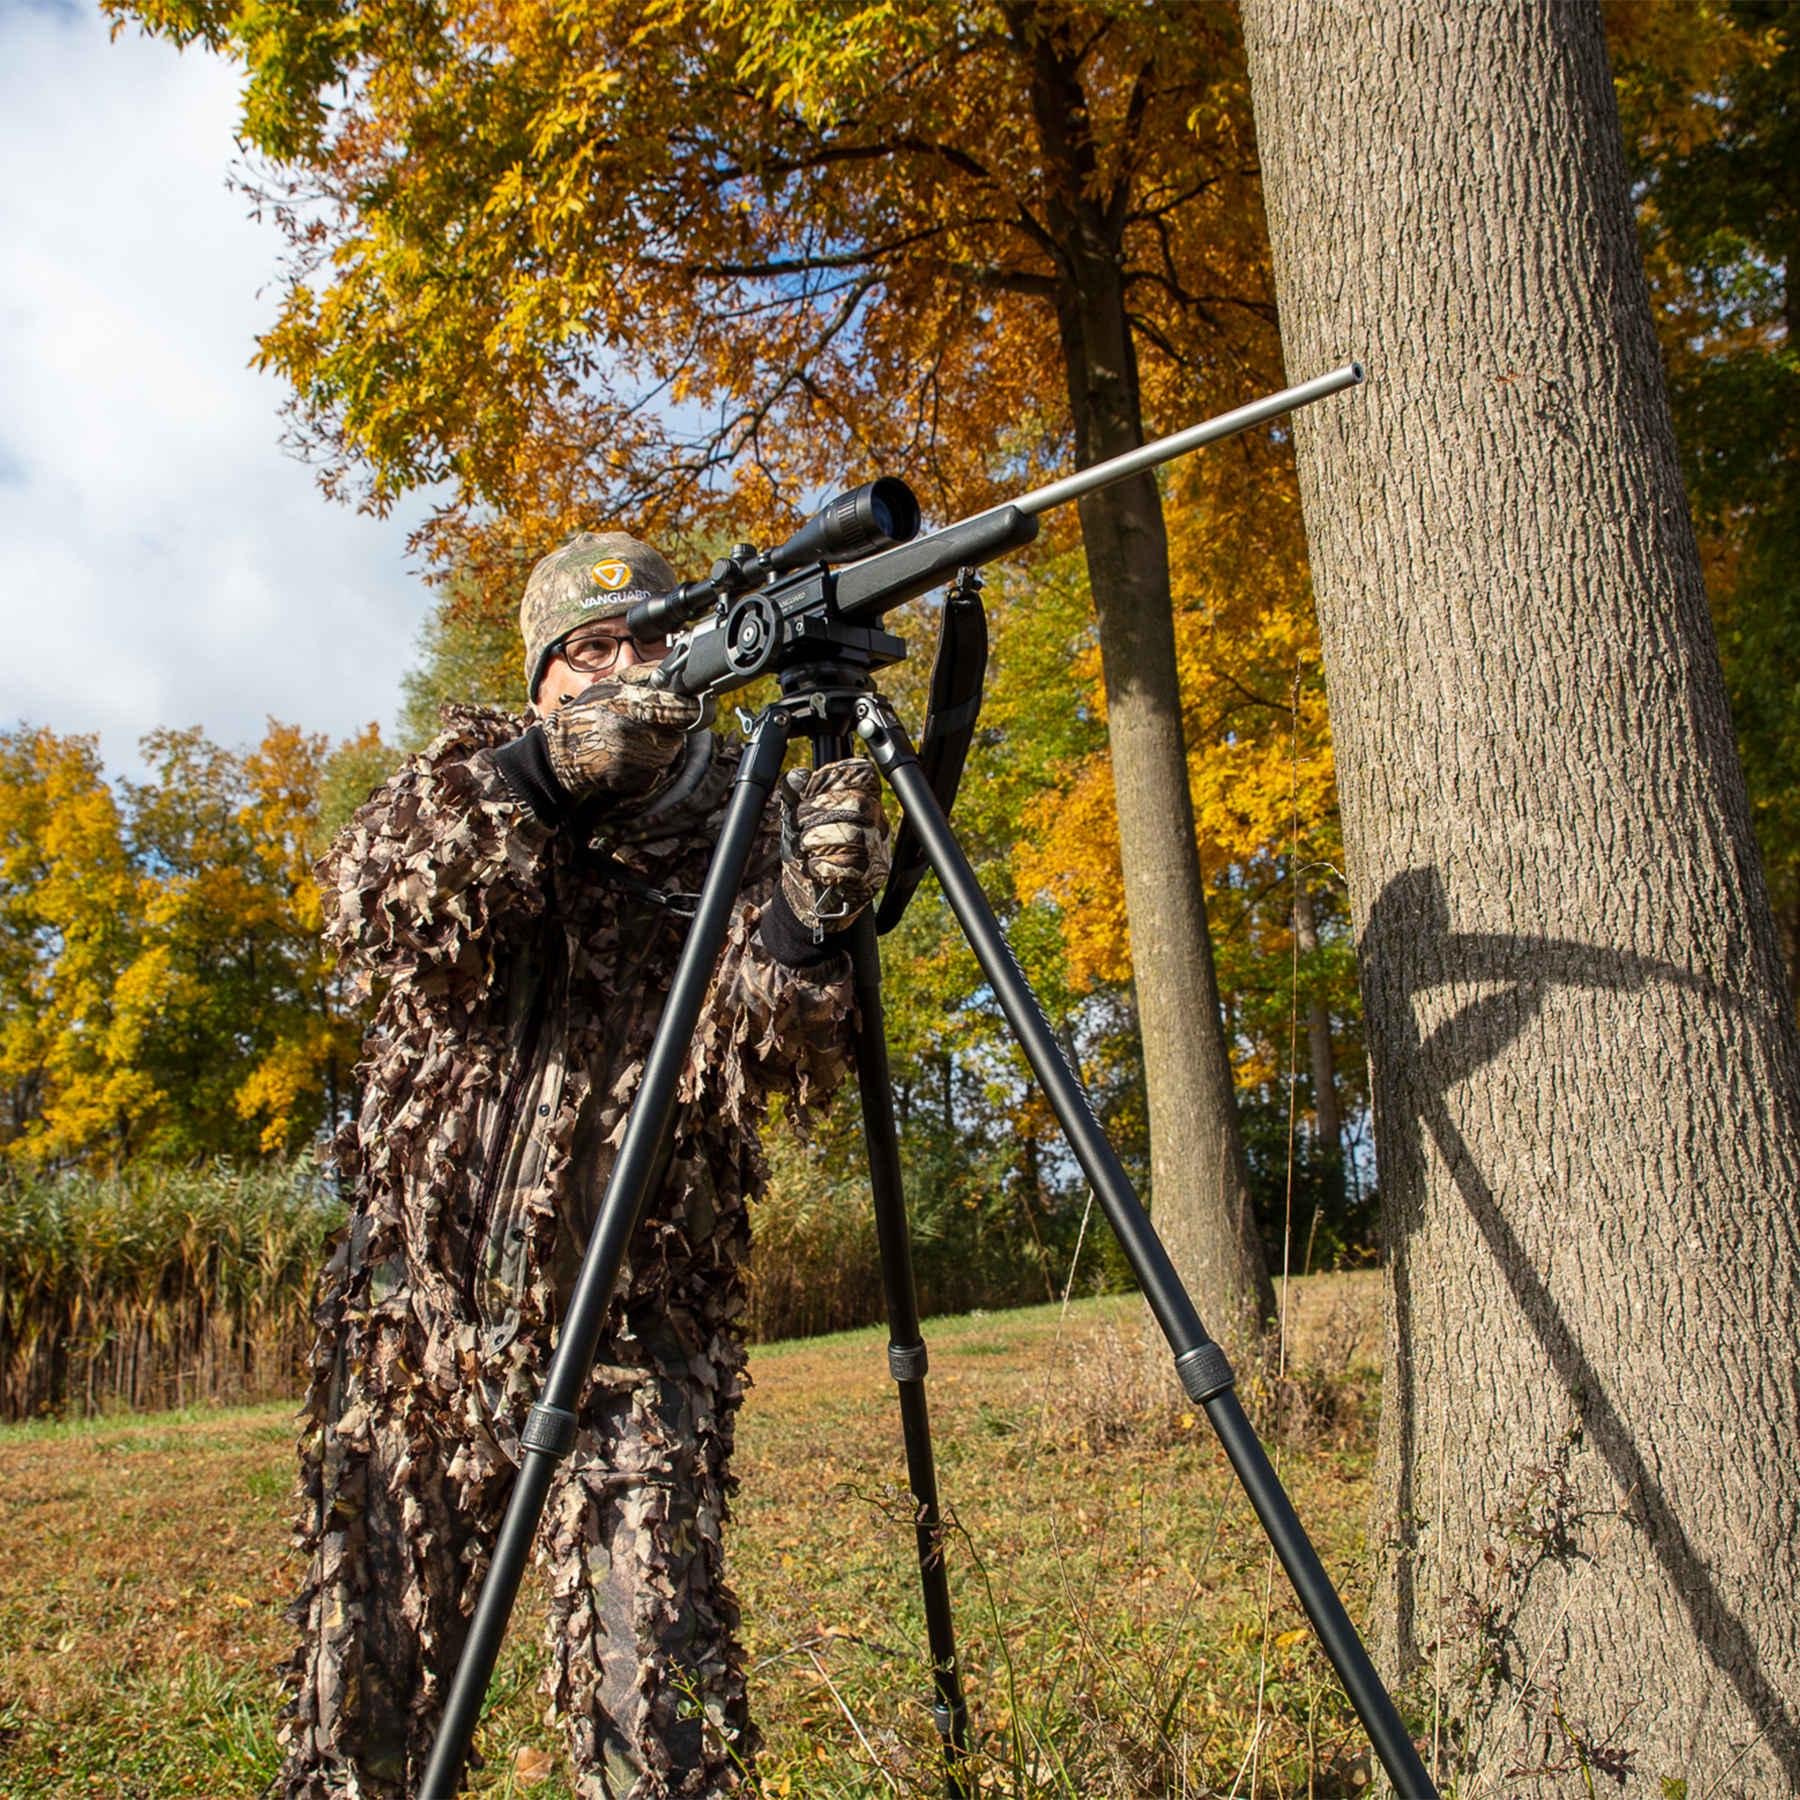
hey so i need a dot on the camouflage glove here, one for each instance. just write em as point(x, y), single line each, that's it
point(834, 851)
point(619, 740)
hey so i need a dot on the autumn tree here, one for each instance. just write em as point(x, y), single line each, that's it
point(310, 1025)
point(208, 919)
point(163, 988)
point(1710, 97)
point(1037, 727)
point(1260, 769)
point(80, 990)
point(353, 770)
point(582, 264)
point(1587, 1084)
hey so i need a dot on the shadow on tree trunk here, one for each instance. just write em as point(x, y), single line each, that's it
point(1407, 937)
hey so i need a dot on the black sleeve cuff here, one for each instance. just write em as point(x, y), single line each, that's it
point(524, 766)
point(790, 943)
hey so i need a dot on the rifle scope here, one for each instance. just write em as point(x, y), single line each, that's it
point(876, 516)
point(872, 517)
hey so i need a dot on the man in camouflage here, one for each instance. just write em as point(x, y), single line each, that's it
point(509, 891)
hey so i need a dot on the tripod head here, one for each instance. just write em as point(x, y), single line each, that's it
point(761, 613)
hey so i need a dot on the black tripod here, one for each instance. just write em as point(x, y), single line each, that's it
point(809, 632)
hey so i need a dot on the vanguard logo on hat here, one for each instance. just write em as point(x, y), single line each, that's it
point(611, 575)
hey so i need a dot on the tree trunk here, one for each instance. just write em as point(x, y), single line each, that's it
point(1031, 1199)
point(1199, 1177)
point(1318, 1037)
point(1586, 1080)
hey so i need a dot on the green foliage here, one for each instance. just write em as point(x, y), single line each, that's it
point(466, 656)
point(1308, 1195)
point(1710, 101)
point(1310, 1202)
point(212, 927)
point(987, 1227)
point(352, 772)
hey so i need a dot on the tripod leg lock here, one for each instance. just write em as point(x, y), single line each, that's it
point(1204, 1371)
point(907, 1362)
point(549, 1429)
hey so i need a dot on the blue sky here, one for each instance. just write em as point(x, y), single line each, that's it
point(162, 560)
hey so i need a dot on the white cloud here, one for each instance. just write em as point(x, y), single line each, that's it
point(162, 561)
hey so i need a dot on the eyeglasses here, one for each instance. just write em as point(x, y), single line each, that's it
point(598, 652)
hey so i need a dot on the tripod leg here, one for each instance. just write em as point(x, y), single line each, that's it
point(906, 1349)
point(906, 1343)
point(1201, 1364)
point(550, 1426)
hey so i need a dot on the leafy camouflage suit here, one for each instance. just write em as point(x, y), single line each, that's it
point(524, 969)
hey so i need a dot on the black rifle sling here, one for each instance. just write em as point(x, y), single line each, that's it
point(957, 673)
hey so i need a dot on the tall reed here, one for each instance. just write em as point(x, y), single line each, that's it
point(815, 1265)
point(157, 1286)
point(161, 1286)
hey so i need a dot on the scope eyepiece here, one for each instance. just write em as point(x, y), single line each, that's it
point(875, 516)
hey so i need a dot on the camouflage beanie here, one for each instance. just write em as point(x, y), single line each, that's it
point(595, 575)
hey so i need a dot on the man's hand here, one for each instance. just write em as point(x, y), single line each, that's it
point(834, 849)
point(619, 738)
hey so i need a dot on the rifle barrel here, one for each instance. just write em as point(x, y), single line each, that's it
point(1209, 431)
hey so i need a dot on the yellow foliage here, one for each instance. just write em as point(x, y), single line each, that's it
point(148, 952)
point(75, 1022)
point(283, 1090)
point(1254, 714)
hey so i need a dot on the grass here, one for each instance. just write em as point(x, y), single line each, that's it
point(1109, 1579)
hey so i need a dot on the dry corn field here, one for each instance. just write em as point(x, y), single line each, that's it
point(165, 1288)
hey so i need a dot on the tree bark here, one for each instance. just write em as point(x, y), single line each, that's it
point(1586, 1080)
point(1199, 1175)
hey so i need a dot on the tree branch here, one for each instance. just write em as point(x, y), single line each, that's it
point(1119, 200)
